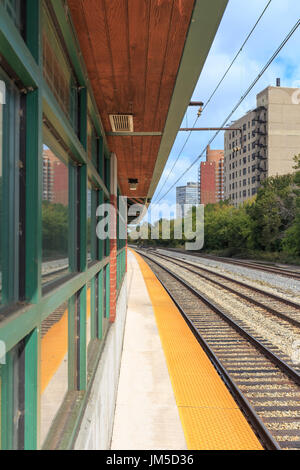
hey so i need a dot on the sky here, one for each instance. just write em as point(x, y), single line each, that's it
point(238, 20)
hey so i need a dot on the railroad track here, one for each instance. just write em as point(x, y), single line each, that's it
point(265, 387)
point(248, 264)
point(282, 308)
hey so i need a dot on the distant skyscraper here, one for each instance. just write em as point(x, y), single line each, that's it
point(211, 177)
point(186, 196)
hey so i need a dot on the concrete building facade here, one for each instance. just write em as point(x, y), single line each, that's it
point(186, 197)
point(211, 177)
point(266, 144)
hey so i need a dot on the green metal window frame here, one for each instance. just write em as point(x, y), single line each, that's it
point(44, 121)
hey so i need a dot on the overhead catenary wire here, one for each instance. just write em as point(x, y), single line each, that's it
point(213, 93)
point(292, 31)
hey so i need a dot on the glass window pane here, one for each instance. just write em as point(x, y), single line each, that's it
point(91, 141)
point(1, 196)
point(54, 366)
point(55, 217)
point(57, 70)
point(88, 317)
point(12, 398)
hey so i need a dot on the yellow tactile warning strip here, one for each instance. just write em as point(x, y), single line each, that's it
point(210, 418)
point(55, 346)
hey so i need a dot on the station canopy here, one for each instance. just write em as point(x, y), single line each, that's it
point(143, 59)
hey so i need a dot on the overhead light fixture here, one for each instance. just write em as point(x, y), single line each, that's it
point(133, 182)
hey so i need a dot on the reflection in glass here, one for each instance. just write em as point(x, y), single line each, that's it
point(1, 206)
point(89, 221)
point(57, 70)
point(88, 318)
point(55, 217)
point(91, 141)
point(54, 366)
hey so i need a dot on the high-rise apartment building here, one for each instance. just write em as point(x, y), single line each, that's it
point(186, 197)
point(266, 144)
point(211, 177)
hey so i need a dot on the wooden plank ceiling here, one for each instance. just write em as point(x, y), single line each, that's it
point(132, 50)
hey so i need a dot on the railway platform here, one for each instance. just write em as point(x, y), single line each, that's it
point(170, 395)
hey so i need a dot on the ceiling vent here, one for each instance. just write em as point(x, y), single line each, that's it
point(121, 122)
